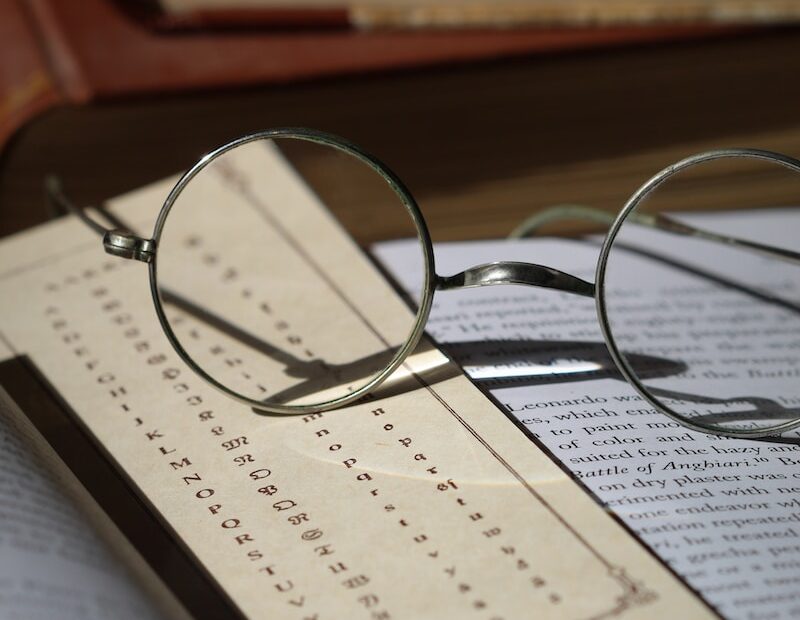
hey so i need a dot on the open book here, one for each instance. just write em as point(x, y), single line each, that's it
point(421, 502)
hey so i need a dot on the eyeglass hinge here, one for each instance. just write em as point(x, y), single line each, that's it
point(127, 245)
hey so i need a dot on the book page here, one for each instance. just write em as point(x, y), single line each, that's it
point(423, 501)
point(724, 513)
point(427, 13)
point(52, 564)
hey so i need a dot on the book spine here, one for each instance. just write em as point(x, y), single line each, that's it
point(64, 63)
point(27, 84)
point(277, 17)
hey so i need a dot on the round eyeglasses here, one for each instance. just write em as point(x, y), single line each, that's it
point(717, 350)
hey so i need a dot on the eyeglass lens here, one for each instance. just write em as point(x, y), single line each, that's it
point(259, 297)
point(709, 329)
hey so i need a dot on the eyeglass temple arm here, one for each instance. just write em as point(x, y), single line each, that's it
point(59, 203)
point(652, 220)
point(119, 241)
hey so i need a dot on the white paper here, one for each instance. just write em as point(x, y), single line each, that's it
point(723, 513)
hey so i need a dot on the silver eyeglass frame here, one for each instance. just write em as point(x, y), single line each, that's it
point(635, 200)
point(324, 139)
point(124, 243)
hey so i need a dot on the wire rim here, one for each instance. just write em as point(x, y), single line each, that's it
point(406, 199)
point(619, 358)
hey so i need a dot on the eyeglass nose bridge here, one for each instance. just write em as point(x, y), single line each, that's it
point(512, 272)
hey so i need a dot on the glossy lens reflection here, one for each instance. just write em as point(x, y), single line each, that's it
point(263, 283)
point(709, 328)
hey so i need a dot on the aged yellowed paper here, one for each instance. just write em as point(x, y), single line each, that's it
point(423, 502)
point(476, 13)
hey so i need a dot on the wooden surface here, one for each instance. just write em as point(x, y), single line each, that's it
point(481, 147)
